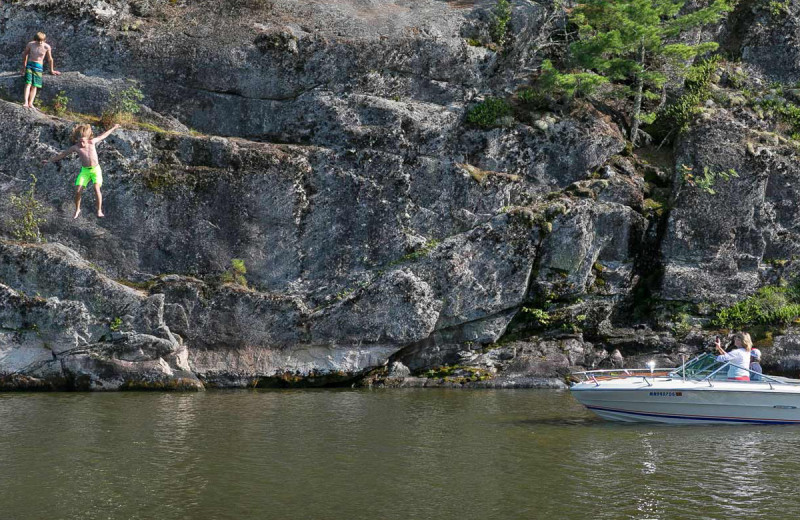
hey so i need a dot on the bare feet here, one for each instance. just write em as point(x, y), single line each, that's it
point(77, 213)
point(100, 214)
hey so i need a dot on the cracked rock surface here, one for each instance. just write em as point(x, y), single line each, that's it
point(324, 144)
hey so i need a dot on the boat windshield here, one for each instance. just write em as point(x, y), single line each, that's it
point(699, 368)
point(706, 366)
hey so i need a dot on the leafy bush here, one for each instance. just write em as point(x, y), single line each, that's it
point(60, 103)
point(27, 215)
point(115, 324)
point(538, 315)
point(769, 306)
point(788, 112)
point(489, 113)
point(501, 18)
point(697, 90)
point(122, 106)
point(534, 98)
point(235, 274)
point(778, 8)
point(707, 180)
point(681, 325)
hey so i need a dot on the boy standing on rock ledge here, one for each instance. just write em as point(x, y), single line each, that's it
point(84, 145)
point(33, 66)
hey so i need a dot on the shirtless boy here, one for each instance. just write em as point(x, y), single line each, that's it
point(33, 66)
point(84, 145)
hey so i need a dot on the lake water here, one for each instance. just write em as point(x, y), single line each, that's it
point(378, 454)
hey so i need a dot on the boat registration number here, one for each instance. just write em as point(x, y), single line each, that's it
point(666, 394)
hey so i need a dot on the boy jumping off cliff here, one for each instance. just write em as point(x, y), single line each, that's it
point(84, 145)
point(33, 66)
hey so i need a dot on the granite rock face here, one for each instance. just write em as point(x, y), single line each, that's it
point(380, 232)
point(89, 333)
point(766, 36)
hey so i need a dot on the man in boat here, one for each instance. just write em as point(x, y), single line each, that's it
point(738, 358)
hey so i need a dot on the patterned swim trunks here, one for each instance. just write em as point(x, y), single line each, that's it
point(33, 74)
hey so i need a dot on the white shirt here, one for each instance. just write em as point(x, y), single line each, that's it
point(740, 357)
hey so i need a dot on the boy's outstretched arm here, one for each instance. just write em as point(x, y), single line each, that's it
point(50, 60)
point(25, 58)
point(60, 156)
point(105, 134)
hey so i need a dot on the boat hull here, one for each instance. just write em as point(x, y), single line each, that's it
point(690, 402)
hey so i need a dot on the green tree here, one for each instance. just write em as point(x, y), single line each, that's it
point(631, 44)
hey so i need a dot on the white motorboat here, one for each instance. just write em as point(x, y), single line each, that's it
point(696, 392)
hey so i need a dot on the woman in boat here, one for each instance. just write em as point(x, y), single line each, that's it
point(739, 358)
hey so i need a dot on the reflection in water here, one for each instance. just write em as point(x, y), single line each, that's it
point(392, 454)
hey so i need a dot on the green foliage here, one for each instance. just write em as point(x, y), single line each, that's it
point(122, 106)
point(681, 325)
point(737, 78)
point(776, 262)
point(115, 324)
point(779, 9)
point(60, 103)
point(653, 207)
point(771, 305)
point(788, 112)
point(489, 113)
point(569, 84)
point(533, 97)
point(235, 274)
point(125, 101)
point(707, 180)
point(424, 251)
point(632, 44)
point(538, 315)
point(697, 89)
point(457, 374)
point(27, 214)
point(474, 42)
point(341, 295)
point(501, 18)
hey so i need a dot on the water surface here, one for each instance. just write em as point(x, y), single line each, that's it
point(378, 454)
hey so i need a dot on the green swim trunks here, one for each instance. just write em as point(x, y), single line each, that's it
point(33, 74)
point(93, 173)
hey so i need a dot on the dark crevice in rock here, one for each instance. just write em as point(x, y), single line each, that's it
point(648, 266)
point(739, 22)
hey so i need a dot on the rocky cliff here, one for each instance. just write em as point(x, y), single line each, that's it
point(324, 144)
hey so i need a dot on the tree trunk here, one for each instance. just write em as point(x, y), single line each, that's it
point(637, 101)
point(663, 100)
